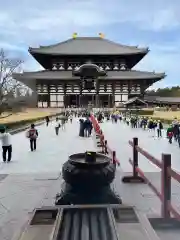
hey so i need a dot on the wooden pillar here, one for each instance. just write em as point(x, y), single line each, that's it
point(113, 94)
point(109, 100)
point(143, 87)
point(97, 94)
point(77, 102)
point(129, 88)
point(48, 88)
point(64, 90)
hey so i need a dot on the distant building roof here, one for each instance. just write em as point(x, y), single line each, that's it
point(67, 75)
point(88, 46)
point(134, 100)
point(162, 99)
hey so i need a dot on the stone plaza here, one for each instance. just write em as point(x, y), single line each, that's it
point(32, 179)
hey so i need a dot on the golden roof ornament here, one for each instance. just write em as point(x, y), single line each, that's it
point(101, 35)
point(74, 35)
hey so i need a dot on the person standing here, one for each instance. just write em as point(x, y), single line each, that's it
point(57, 126)
point(170, 133)
point(159, 128)
point(47, 121)
point(6, 144)
point(32, 134)
point(71, 118)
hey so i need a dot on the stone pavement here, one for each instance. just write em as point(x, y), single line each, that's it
point(140, 195)
point(32, 179)
point(118, 136)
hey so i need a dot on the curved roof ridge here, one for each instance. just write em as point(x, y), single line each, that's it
point(124, 45)
point(53, 45)
point(91, 38)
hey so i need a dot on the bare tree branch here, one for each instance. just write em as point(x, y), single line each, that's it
point(8, 85)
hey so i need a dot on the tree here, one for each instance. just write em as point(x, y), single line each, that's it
point(165, 92)
point(8, 85)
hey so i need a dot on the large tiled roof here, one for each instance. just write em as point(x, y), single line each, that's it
point(67, 75)
point(88, 46)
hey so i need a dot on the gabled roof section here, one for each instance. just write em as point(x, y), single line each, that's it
point(88, 46)
point(134, 100)
point(112, 75)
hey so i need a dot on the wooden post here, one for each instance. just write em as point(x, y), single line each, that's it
point(105, 147)
point(114, 157)
point(135, 156)
point(134, 178)
point(165, 185)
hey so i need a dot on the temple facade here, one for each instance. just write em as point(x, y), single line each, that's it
point(87, 70)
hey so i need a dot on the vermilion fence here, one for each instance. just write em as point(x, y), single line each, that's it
point(105, 147)
point(138, 176)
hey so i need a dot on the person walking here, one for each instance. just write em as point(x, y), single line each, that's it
point(47, 121)
point(32, 134)
point(71, 118)
point(63, 122)
point(6, 144)
point(57, 126)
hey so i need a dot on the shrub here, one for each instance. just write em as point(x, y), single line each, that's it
point(146, 112)
point(21, 123)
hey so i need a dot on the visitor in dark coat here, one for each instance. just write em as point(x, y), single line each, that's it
point(81, 128)
point(87, 127)
point(47, 121)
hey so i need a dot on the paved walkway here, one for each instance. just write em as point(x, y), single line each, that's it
point(32, 179)
point(52, 151)
point(118, 136)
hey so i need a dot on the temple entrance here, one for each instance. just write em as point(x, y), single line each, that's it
point(102, 100)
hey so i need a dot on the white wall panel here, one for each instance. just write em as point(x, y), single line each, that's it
point(53, 104)
point(117, 98)
point(60, 104)
point(52, 98)
point(60, 98)
point(124, 98)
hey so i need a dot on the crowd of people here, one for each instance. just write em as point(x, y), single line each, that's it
point(85, 128)
point(145, 123)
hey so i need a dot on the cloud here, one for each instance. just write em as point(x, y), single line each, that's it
point(156, 24)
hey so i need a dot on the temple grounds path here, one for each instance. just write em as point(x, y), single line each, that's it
point(32, 179)
point(118, 136)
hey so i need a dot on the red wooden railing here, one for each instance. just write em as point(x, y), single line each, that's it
point(138, 176)
point(105, 147)
point(167, 173)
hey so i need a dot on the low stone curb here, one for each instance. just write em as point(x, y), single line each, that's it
point(21, 129)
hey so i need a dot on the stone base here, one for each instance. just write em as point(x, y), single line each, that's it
point(165, 223)
point(132, 179)
point(104, 195)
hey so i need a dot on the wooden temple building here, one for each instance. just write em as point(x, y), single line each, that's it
point(84, 70)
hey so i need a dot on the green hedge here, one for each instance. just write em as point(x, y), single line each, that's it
point(140, 112)
point(166, 121)
point(21, 123)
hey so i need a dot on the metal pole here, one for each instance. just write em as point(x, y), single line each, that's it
point(165, 185)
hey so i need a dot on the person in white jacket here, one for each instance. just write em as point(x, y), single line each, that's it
point(57, 126)
point(6, 144)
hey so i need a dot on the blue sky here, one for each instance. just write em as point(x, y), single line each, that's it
point(146, 23)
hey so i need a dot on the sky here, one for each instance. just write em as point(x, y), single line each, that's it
point(144, 23)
